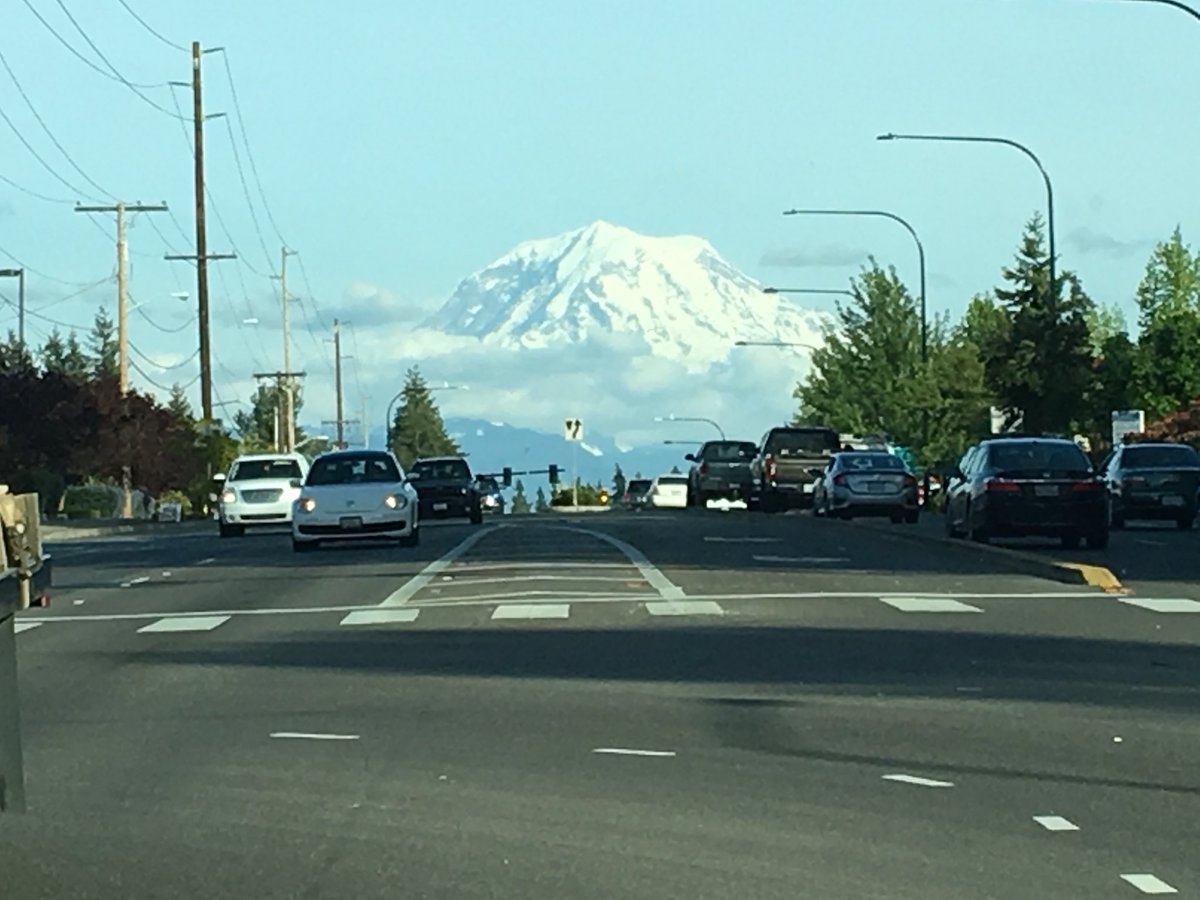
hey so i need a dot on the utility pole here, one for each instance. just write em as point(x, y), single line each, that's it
point(19, 274)
point(123, 320)
point(337, 378)
point(281, 429)
point(289, 422)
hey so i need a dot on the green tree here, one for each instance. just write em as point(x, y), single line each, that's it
point(1104, 322)
point(102, 343)
point(520, 503)
point(257, 426)
point(1168, 352)
point(418, 429)
point(179, 403)
point(15, 356)
point(540, 505)
point(1045, 372)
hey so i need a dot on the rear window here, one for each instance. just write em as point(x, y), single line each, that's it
point(442, 470)
point(1177, 456)
point(364, 469)
point(808, 442)
point(256, 469)
point(673, 479)
point(729, 451)
point(1037, 458)
point(489, 485)
point(638, 486)
point(874, 461)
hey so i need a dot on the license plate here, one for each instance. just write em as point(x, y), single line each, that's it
point(1045, 490)
point(876, 487)
point(809, 488)
point(349, 523)
point(1172, 501)
point(440, 507)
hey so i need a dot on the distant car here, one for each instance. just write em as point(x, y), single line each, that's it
point(447, 489)
point(637, 493)
point(491, 495)
point(1014, 487)
point(669, 492)
point(789, 461)
point(874, 483)
point(259, 490)
point(1152, 481)
point(355, 495)
point(721, 471)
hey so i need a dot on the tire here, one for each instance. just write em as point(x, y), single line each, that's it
point(1184, 523)
point(1116, 518)
point(477, 516)
point(1071, 541)
point(912, 517)
point(951, 531)
point(978, 535)
point(227, 531)
point(304, 546)
point(897, 518)
point(1098, 540)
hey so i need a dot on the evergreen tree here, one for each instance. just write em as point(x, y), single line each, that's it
point(15, 358)
point(540, 504)
point(102, 343)
point(256, 426)
point(53, 353)
point(179, 404)
point(675, 470)
point(520, 503)
point(418, 429)
point(619, 482)
point(1046, 370)
point(1168, 351)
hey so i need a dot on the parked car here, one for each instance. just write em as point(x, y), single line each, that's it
point(637, 493)
point(669, 492)
point(491, 496)
point(1014, 487)
point(721, 471)
point(259, 490)
point(789, 461)
point(355, 495)
point(875, 483)
point(447, 489)
point(1152, 481)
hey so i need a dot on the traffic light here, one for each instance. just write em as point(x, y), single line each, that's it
point(506, 476)
point(553, 473)
point(604, 498)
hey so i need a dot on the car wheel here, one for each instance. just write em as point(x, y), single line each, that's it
point(477, 517)
point(897, 518)
point(951, 531)
point(976, 534)
point(912, 517)
point(1116, 519)
point(1098, 540)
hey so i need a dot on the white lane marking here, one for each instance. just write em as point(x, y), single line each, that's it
point(1149, 542)
point(166, 574)
point(207, 562)
point(184, 623)
point(626, 751)
point(743, 540)
point(1149, 884)
point(1163, 605)
point(380, 616)
point(667, 589)
point(132, 581)
point(917, 780)
point(313, 736)
point(521, 579)
point(811, 560)
point(462, 567)
point(929, 604)
point(685, 608)
point(18, 627)
point(410, 588)
point(532, 611)
point(1056, 823)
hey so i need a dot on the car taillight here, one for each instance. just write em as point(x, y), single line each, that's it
point(839, 480)
point(1087, 487)
point(1000, 486)
point(703, 468)
point(769, 465)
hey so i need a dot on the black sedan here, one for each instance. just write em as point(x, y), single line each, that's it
point(1153, 481)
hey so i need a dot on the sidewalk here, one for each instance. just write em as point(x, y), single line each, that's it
point(81, 529)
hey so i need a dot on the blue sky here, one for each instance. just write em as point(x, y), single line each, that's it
point(402, 146)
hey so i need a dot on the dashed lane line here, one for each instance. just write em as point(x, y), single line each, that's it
point(380, 616)
point(930, 604)
point(1149, 884)
point(1166, 605)
point(312, 736)
point(532, 611)
point(918, 781)
point(1056, 823)
point(628, 751)
point(184, 623)
point(685, 608)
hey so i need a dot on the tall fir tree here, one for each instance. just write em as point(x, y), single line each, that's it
point(619, 482)
point(418, 430)
point(102, 345)
point(257, 426)
point(520, 503)
point(1167, 366)
point(540, 503)
point(15, 358)
point(179, 404)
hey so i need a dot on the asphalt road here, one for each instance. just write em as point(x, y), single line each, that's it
point(655, 706)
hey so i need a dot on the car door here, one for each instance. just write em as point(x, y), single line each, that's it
point(957, 489)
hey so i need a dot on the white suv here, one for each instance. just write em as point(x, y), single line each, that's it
point(260, 490)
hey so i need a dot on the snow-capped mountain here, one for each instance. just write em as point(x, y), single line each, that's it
point(604, 282)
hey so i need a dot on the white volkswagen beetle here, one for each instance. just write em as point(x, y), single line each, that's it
point(355, 495)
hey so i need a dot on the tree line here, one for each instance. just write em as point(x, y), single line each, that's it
point(1047, 362)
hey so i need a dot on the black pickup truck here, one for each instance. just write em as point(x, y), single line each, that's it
point(721, 471)
point(446, 489)
point(788, 464)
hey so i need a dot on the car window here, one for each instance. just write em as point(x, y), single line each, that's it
point(803, 441)
point(354, 470)
point(968, 459)
point(1035, 458)
point(442, 470)
point(673, 479)
point(488, 485)
point(728, 451)
point(257, 469)
point(871, 461)
point(638, 486)
point(1173, 456)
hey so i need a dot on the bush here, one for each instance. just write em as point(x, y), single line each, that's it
point(90, 501)
point(589, 495)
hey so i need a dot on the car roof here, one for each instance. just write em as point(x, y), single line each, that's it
point(359, 453)
point(442, 459)
point(1030, 439)
point(261, 456)
point(1156, 444)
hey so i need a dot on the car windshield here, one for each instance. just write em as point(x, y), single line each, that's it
point(639, 486)
point(441, 470)
point(259, 469)
point(361, 469)
point(1176, 456)
point(879, 461)
point(1038, 458)
point(728, 451)
point(490, 485)
point(808, 442)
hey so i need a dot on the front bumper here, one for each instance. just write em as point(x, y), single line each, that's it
point(447, 508)
point(337, 528)
point(278, 512)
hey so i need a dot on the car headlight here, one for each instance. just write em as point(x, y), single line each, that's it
point(395, 501)
point(229, 497)
point(307, 504)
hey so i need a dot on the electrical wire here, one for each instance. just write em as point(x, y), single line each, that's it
point(188, 324)
point(83, 59)
point(33, 193)
point(162, 387)
point(45, 165)
point(83, 290)
point(158, 365)
point(237, 159)
point(38, 315)
point(39, 273)
point(157, 34)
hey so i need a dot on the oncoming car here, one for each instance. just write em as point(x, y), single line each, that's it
point(355, 495)
point(260, 490)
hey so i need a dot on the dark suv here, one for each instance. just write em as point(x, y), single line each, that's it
point(720, 470)
point(1017, 487)
point(446, 489)
point(1153, 481)
point(788, 464)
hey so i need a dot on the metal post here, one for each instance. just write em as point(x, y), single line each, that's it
point(289, 422)
point(337, 378)
point(21, 305)
point(206, 404)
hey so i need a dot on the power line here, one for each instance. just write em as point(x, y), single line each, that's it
point(37, 315)
point(83, 59)
point(45, 165)
point(157, 34)
point(188, 324)
point(158, 365)
point(158, 384)
point(46, 128)
point(33, 193)
point(41, 274)
point(72, 296)
point(237, 159)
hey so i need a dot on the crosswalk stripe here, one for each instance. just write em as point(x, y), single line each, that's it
point(1163, 605)
point(18, 627)
point(184, 623)
point(380, 616)
point(532, 611)
point(929, 604)
point(685, 608)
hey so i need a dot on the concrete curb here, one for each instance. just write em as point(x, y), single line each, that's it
point(1017, 560)
point(81, 530)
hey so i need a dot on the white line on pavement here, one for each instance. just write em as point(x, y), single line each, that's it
point(406, 592)
point(207, 562)
point(460, 567)
point(447, 582)
point(184, 623)
point(132, 581)
point(1149, 542)
point(313, 736)
point(1149, 884)
point(625, 751)
point(18, 627)
point(1163, 605)
point(380, 616)
point(685, 608)
point(929, 604)
point(666, 588)
point(1056, 823)
point(917, 780)
point(810, 560)
point(532, 611)
point(742, 540)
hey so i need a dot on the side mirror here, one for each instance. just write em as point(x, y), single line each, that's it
point(296, 482)
point(220, 476)
point(817, 473)
point(690, 457)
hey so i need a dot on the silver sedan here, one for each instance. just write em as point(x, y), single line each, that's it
point(867, 484)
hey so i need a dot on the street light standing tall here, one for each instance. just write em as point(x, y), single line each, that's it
point(19, 274)
point(675, 418)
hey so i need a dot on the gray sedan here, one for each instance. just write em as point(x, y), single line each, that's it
point(867, 484)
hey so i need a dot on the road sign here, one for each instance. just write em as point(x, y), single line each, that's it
point(1127, 421)
point(573, 429)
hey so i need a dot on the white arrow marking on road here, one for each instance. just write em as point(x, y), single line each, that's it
point(1149, 884)
point(312, 736)
point(917, 780)
point(625, 751)
point(1056, 823)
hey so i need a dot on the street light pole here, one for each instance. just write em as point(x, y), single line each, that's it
point(674, 418)
point(775, 290)
point(879, 213)
point(18, 274)
point(972, 139)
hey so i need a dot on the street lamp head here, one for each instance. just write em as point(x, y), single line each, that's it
point(885, 137)
point(770, 290)
point(742, 344)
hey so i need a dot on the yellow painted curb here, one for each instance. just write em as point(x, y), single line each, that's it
point(1097, 576)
